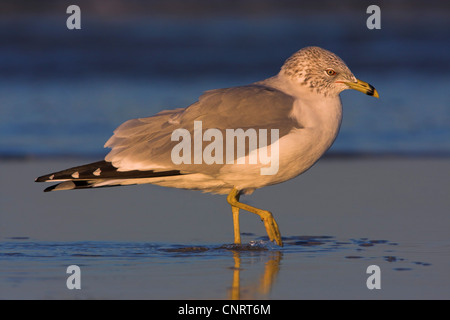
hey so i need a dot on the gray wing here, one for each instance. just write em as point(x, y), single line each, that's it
point(145, 143)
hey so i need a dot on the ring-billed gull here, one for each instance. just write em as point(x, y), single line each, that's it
point(299, 108)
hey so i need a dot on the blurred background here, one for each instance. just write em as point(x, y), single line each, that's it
point(63, 92)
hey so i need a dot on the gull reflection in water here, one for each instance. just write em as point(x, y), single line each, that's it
point(262, 287)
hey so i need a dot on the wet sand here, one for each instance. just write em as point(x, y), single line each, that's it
point(337, 219)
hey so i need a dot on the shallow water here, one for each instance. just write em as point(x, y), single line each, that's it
point(306, 267)
point(139, 243)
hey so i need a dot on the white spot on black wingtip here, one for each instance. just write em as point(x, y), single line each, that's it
point(97, 172)
point(75, 175)
point(51, 177)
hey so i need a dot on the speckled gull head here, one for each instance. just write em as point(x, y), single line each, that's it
point(323, 72)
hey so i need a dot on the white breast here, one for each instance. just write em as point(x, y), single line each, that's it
point(298, 150)
point(320, 121)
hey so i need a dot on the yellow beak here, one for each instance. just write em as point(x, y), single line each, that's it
point(363, 87)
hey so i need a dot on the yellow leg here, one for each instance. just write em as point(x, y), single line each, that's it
point(266, 216)
point(237, 233)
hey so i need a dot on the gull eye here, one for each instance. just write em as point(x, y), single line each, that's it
point(330, 72)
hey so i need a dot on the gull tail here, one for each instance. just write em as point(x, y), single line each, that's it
point(99, 174)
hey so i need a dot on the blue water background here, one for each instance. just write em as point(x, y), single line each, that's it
point(63, 92)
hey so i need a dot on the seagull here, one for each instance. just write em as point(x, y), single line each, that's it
point(299, 108)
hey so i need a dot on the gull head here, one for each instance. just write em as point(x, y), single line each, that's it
point(323, 72)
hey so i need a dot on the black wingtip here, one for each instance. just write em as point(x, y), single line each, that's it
point(51, 188)
point(85, 176)
point(40, 179)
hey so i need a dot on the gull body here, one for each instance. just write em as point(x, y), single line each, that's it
point(302, 102)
